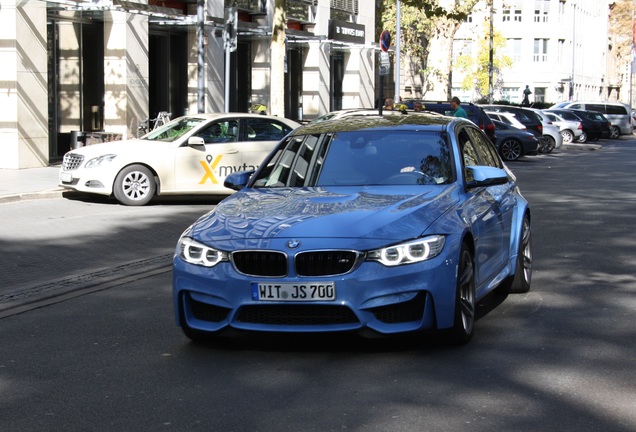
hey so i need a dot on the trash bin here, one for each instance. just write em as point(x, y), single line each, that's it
point(77, 139)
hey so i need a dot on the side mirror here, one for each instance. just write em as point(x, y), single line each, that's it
point(196, 141)
point(484, 176)
point(238, 180)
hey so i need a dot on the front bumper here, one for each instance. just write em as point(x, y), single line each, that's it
point(387, 300)
point(95, 180)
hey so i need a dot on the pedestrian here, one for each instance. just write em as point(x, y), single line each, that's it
point(417, 106)
point(388, 104)
point(526, 93)
point(458, 111)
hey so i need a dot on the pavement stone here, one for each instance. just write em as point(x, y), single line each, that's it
point(29, 183)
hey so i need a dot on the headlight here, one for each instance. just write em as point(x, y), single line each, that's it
point(193, 252)
point(100, 160)
point(410, 252)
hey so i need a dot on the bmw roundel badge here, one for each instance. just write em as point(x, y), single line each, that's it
point(293, 244)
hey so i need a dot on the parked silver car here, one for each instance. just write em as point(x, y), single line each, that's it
point(552, 138)
point(616, 112)
point(570, 130)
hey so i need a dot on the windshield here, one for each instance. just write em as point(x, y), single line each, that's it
point(396, 157)
point(173, 130)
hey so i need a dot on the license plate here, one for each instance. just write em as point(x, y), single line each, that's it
point(293, 292)
point(66, 177)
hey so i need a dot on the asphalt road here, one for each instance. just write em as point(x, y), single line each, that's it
point(107, 356)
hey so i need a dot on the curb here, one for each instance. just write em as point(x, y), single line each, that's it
point(53, 193)
point(575, 146)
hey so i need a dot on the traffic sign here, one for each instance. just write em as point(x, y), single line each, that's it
point(385, 40)
point(385, 64)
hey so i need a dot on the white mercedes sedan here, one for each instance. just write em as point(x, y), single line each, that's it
point(190, 155)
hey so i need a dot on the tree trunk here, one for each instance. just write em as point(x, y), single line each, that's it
point(440, 57)
point(277, 61)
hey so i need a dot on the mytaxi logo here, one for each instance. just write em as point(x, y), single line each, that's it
point(213, 170)
point(209, 166)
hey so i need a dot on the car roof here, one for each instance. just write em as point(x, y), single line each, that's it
point(345, 113)
point(412, 120)
point(234, 115)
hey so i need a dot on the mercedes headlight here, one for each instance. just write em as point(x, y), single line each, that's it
point(100, 160)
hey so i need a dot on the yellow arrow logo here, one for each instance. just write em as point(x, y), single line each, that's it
point(209, 164)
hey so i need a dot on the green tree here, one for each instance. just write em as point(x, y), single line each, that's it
point(476, 69)
point(621, 29)
point(428, 28)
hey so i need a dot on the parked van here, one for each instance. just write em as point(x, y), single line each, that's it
point(617, 113)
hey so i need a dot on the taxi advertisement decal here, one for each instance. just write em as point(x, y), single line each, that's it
point(209, 164)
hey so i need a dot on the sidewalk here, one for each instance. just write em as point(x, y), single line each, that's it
point(29, 183)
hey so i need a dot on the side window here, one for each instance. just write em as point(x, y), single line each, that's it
point(293, 165)
point(575, 106)
point(596, 107)
point(483, 148)
point(616, 110)
point(469, 154)
point(220, 132)
point(265, 130)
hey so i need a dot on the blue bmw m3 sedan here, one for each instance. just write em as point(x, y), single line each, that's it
point(387, 224)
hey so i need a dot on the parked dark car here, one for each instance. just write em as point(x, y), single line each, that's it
point(514, 143)
point(595, 125)
point(475, 113)
point(528, 117)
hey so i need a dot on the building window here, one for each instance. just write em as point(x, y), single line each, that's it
point(539, 94)
point(514, 49)
point(540, 50)
point(510, 94)
point(541, 11)
point(512, 11)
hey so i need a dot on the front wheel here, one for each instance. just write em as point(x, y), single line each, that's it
point(582, 138)
point(134, 186)
point(510, 149)
point(464, 321)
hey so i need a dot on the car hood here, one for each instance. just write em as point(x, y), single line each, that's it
point(121, 147)
point(359, 217)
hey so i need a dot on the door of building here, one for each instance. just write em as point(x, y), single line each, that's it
point(240, 78)
point(294, 85)
point(168, 73)
point(337, 77)
point(75, 80)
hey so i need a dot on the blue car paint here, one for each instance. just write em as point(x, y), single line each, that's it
point(370, 224)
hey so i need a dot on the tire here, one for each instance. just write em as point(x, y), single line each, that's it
point(510, 149)
point(520, 282)
point(464, 319)
point(134, 186)
point(567, 136)
point(548, 144)
point(615, 132)
point(582, 138)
